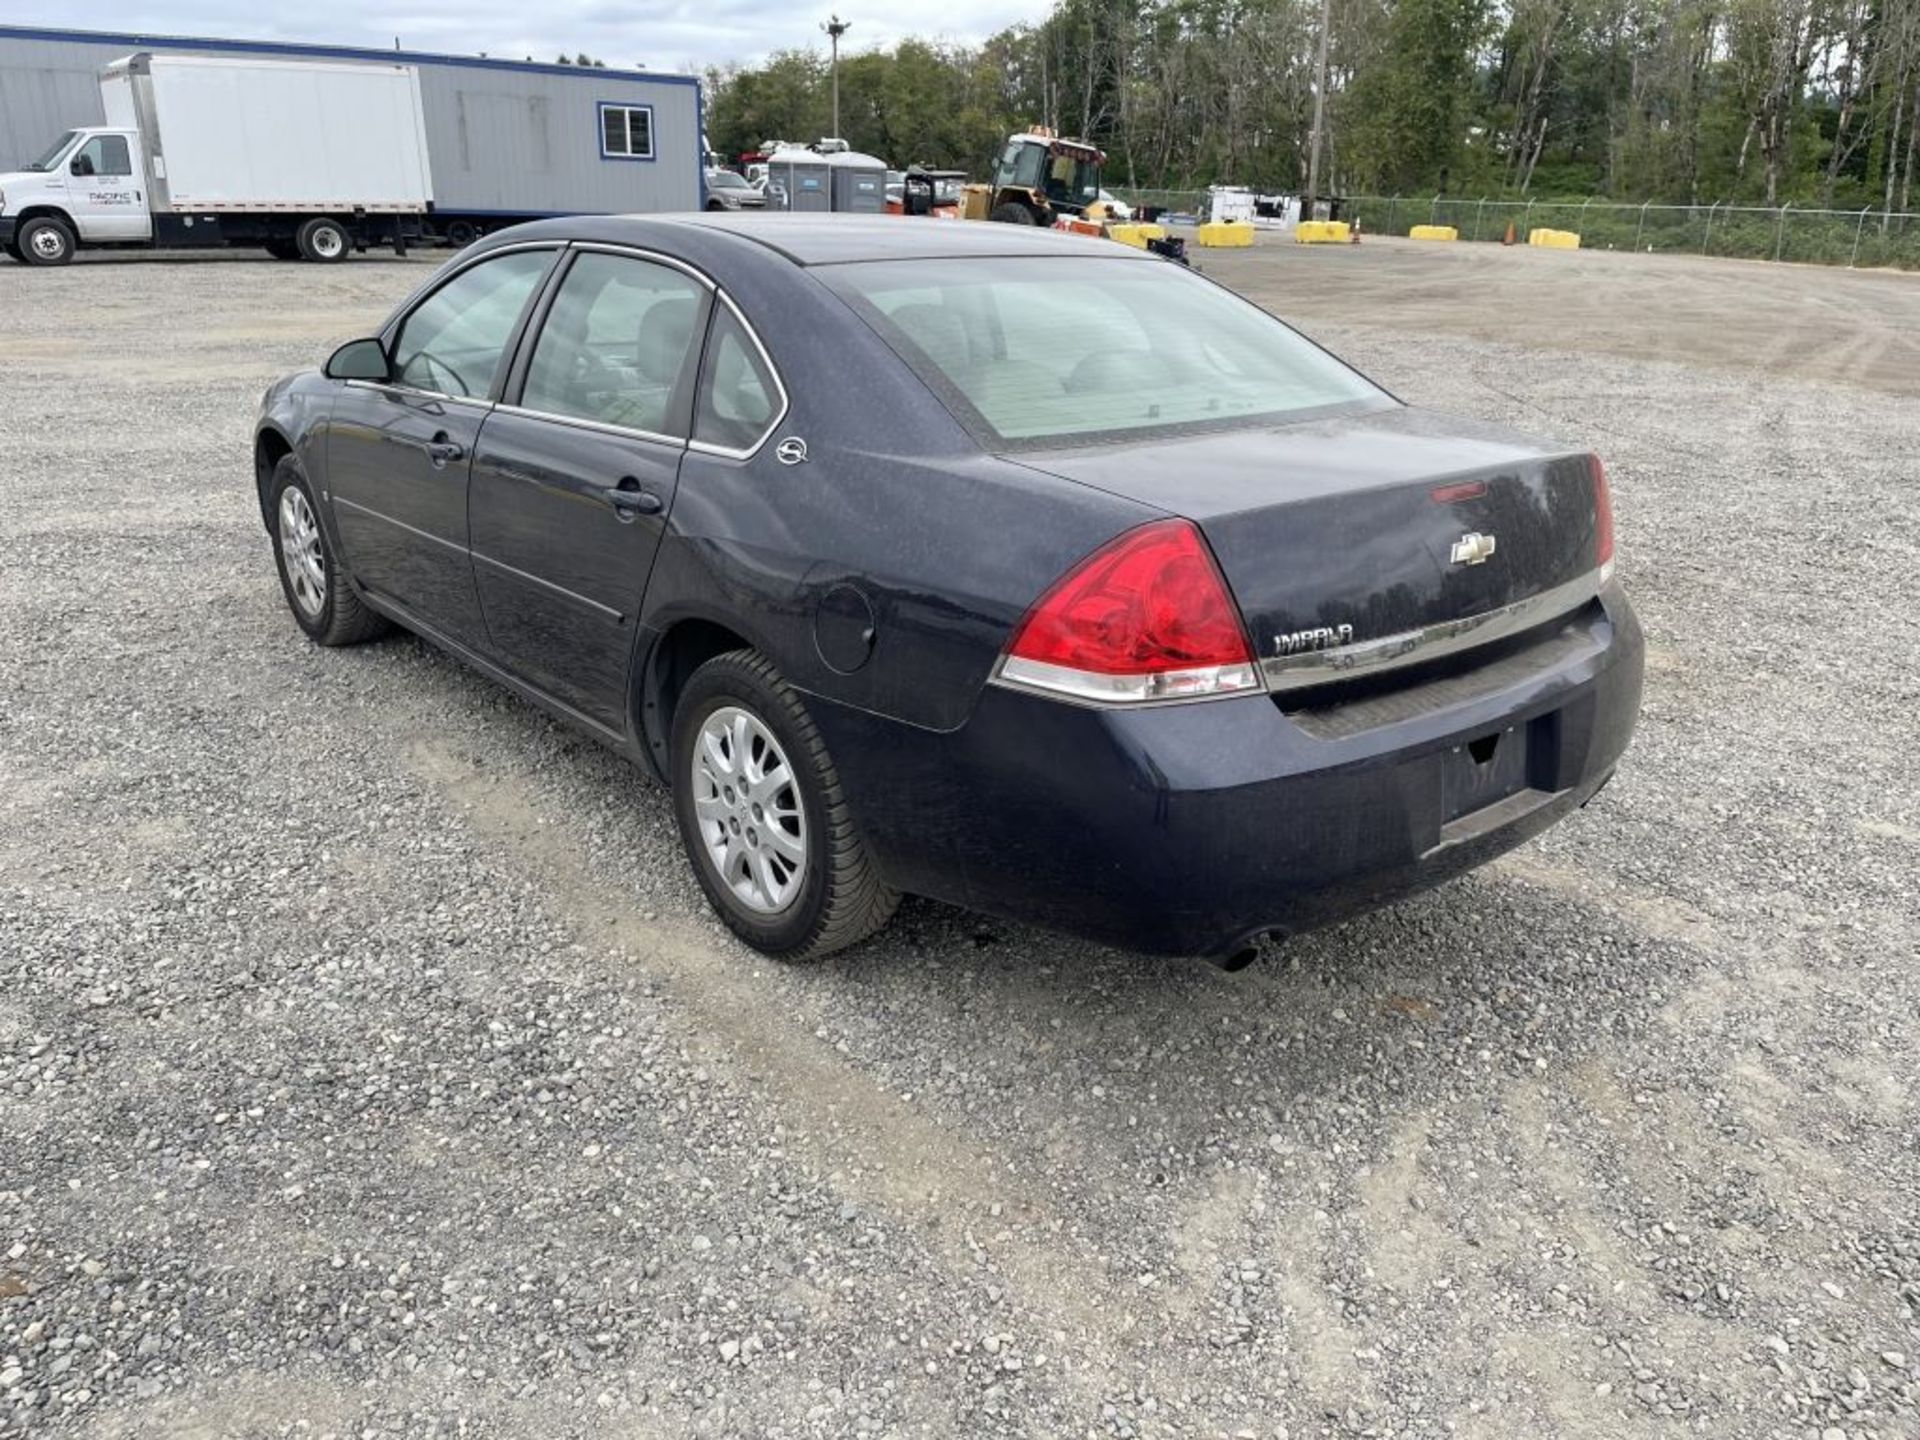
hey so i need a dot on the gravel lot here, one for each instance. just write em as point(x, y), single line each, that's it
point(370, 1066)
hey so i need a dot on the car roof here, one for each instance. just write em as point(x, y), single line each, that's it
point(840, 239)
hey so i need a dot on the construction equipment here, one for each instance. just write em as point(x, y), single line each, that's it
point(1041, 177)
point(928, 192)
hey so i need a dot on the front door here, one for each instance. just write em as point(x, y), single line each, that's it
point(107, 191)
point(574, 478)
point(399, 453)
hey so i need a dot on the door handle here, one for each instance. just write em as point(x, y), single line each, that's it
point(441, 450)
point(629, 500)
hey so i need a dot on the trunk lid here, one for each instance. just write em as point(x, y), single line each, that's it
point(1336, 533)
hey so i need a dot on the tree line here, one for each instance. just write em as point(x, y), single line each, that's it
point(1814, 102)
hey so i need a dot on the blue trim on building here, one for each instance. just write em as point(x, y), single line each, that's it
point(600, 118)
point(336, 52)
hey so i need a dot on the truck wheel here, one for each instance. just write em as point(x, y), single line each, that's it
point(323, 240)
point(45, 241)
point(462, 233)
point(1012, 213)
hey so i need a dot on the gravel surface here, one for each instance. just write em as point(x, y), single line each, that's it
point(370, 1066)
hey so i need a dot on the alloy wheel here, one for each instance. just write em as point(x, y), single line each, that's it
point(747, 806)
point(300, 553)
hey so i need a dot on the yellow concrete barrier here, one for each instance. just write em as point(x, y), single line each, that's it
point(1554, 239)
point(1433, 232)
point(1136, 235)
point(1322, 232)
point(1226, 232)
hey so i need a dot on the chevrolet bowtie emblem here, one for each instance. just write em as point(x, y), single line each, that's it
point(1473, 548)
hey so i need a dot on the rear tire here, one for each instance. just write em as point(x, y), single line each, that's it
point(45, 241)
point(323, 240)
point(322, 602)
point(1013, 213)
point(742, 740)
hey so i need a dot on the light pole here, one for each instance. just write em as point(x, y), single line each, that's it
point(835, 28)
point(1319, 114)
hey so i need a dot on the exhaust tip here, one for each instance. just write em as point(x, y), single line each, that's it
point(1238, 959)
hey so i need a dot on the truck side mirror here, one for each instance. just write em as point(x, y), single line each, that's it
point(82, 165)
point(359, 360)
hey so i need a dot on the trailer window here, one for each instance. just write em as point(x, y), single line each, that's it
point(614, 345)
point(626, 132)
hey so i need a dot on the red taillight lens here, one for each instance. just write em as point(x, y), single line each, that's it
point(1602, 514)
point(1145, 617)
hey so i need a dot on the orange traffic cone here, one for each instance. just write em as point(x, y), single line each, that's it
point(1507, 239)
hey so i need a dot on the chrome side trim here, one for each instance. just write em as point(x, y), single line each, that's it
point(1429, 642)
point(599, 427)
point(415, 393)
point(560, 590)
point(704, 447)
point(370, 512)
point(640, 252)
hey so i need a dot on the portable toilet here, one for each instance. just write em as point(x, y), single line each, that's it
point(802, 177)
point(859, 183)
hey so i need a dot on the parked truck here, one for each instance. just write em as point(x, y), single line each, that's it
point(314, 152)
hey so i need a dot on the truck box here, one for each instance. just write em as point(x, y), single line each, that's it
point(231, 134)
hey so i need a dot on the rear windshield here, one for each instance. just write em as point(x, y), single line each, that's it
point(1041, 350)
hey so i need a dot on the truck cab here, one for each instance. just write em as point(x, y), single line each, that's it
point(89, 187)
point(1041, 177)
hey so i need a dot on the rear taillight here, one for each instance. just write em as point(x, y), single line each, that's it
point(1145, 617)
point(1602, 519)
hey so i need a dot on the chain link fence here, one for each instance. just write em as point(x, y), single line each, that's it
point(1752, 232)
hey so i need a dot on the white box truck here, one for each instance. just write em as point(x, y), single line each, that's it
point(308, 159)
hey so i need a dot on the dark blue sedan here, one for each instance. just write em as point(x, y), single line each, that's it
point(1019, 570)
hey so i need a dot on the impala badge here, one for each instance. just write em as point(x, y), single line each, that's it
point(1321, 637)
point(1472, 548)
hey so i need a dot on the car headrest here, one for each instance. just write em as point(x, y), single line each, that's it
point(939, 332)
point(665, 332)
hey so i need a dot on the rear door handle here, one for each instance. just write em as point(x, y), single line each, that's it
point(628, 499)
point(442, 451)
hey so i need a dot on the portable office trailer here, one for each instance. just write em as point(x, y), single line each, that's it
point(507, 140)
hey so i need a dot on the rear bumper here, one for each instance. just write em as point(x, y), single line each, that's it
point(1190, 829)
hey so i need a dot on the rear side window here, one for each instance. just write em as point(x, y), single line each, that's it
point(1037, 350)
point(614, 345)
point(739, 399)
point(453, 341)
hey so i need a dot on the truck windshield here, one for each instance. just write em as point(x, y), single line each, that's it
point(47, 161)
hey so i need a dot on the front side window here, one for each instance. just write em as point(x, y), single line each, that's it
point(739, 399)
point(104, 155)
point(626, 132)
point(1030, 351)
point(454, 340)
point(614, 345)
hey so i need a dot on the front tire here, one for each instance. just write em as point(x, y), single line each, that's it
point(1013, 213)
point(322, 602)
point(45, 241)
point(323, 240)
point(762, 815)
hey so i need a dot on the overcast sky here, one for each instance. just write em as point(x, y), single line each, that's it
point(659, 34)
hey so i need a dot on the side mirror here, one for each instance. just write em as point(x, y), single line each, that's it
point(81, 165)
point(359, 360)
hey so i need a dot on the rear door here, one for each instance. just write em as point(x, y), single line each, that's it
point(573, 479)
point(398, 452)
